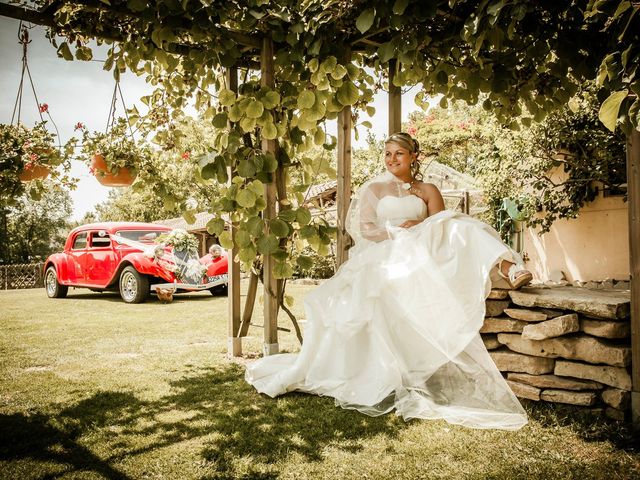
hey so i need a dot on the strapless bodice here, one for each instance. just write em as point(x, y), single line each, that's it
point(396, 210)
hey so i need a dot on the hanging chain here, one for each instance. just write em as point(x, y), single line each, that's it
point(111, 119)
point(23, 39)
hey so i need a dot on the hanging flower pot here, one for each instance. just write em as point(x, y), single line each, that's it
point(33, 172)
point(99, 168)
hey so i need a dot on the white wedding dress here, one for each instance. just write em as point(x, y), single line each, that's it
point(397, 326)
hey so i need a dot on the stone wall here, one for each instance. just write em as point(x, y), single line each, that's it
point(563, 344)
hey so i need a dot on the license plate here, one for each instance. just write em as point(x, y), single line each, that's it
point(215, 278)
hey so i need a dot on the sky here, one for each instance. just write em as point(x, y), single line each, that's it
point(81, 92)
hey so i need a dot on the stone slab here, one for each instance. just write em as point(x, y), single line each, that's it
point(490, 341)
point(566, 396)
point(552, 328)
point(614, 413)
point(525, 314)
point(613, 304)
point(522, 390)
point(507, 361)
point(617, 377)
point(501, 324)
point(584, 347)
point(605, 328)
point(498, 294)
point(493, 308)
point(616, 398)
point(554, 382)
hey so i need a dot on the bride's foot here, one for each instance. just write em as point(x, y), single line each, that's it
point(516, 278)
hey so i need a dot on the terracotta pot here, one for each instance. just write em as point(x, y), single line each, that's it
point(123, 178)
point(37, 171)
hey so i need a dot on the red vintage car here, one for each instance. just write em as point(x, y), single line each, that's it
point(125, 256)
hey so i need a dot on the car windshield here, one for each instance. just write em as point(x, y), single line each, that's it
point(144, 236)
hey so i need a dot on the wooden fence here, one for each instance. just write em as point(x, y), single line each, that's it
point(21, 276)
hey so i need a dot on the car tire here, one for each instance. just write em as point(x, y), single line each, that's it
point(221, 290)
point(52, 286)
point(134, 287)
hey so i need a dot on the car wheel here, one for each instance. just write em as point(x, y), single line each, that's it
point(219, 290)
point(53, 288)
point(134, 287)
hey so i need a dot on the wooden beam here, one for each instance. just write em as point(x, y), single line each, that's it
point(395, 101)
point(343, 195)
point(633, 195)
point(270, 345)
point(234, 341)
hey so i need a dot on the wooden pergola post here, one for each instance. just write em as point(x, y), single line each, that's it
point(343, 192)
point(395, 101)
point(270, 345)
point(234, 343)
point(633, 197)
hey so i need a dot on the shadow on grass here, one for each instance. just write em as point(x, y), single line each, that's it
point(588, 426)
point(233, 423)
point(34, 437)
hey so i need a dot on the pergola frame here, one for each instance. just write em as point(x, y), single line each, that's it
point(263, 47)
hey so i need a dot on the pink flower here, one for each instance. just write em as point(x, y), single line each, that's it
point(44, 108)
point(29, 166)
point(92, 170)
point(186, 155)
point(33, 157)
point(79, 126)
point(411, 131)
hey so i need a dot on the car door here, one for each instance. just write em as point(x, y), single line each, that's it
point(77, 259)
point(100, 259)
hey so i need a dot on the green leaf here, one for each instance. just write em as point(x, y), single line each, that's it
point(226, 97)
point(268, 244)
point(65, 52)
point(303, 216)
point(348, 93)
point(189, 216)
point(304, 262)
point(254, 109)
point(215, 226)
point(270, 163)
point(255, 226)
point(246, 198)
point(400, 6)
point(137, 5)
point(288, 215)
point(279, 228)
point(338, 72)
point(220, 120)
point(271, 100)
point(282, 270)
point(243, 238)
point(247, 254)
point(269, 131)
point(225, 240)
point(609, 109)
point(306, 99)
point(246, 168)
point(365, 20)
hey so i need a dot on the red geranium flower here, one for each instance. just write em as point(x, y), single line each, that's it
point(186, 155)
point(44, 108)
point(28, 166)
point(33, 157)
point(79, 126)
point(92, 170)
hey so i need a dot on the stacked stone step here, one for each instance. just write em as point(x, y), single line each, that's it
point(563, 344)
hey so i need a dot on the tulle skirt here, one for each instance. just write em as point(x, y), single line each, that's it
point(396, 328)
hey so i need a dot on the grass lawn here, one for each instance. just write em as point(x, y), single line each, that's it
point(94, 388)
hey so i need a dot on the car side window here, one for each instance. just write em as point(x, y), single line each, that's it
point(99, 240)
point(80, 241)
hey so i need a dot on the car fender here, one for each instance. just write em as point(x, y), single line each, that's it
point(145, 266)
point(218, 267)
point(57, 260)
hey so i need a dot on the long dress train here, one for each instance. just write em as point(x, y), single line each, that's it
point(397, 327)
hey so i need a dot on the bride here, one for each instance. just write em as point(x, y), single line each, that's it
point(397, 326)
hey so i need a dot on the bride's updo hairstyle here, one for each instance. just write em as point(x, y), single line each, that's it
point(407, 142)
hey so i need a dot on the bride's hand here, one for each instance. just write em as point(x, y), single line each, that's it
point(409, 223)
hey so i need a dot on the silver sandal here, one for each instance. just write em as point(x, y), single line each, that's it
point(515, 278)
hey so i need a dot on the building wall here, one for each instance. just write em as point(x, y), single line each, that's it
point(593, 246)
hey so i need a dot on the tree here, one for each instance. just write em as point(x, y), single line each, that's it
point(528, 58)
point(36, 228)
